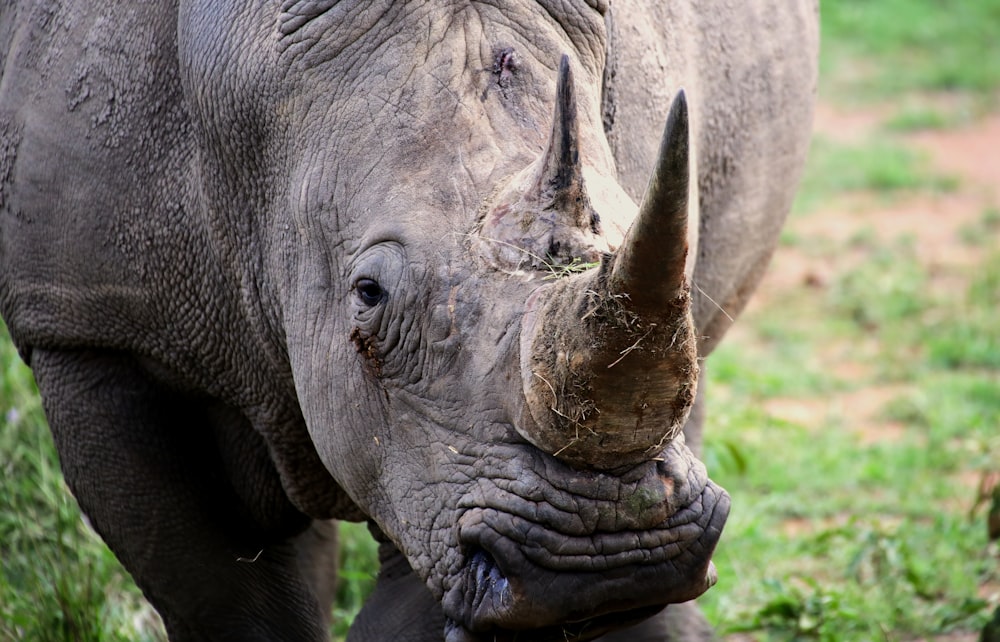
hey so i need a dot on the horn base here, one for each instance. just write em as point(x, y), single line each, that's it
point(604, 386)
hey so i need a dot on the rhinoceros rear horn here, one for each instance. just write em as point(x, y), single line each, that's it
point(543, 216)
point(609, 357)
point(560, 181)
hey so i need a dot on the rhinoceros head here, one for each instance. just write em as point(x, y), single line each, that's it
point(511, 423)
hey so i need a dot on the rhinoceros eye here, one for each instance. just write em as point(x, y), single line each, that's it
point(369, 291)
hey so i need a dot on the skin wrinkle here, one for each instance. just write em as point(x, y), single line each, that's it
point(449, 406)
point(594, 37)
point(522, 490)
point(582, 523)
point(459, 103)
point(256, 294)
point(396, 103)
point(630, 549)
point(407, 81)
point(356, 193)
point(557, 552)
point(335, 24)
point(426, 526)
point(543, 57)
point(433, 44)
point(471, 179)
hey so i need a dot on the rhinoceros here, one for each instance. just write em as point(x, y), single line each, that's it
point(437, 266)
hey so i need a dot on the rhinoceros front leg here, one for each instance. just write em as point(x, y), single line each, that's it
point(401, 608)
point(154, 470)
point(676, 623)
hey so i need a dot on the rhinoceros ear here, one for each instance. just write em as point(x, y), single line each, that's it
point(544, 217)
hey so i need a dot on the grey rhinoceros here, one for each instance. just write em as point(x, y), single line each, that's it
point(425, 264)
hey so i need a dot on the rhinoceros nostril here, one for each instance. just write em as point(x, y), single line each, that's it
point(489, 582)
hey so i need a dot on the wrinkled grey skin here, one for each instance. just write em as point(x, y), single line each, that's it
point(191, 199)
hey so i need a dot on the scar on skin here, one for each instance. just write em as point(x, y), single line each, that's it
point(452, 299)
point(504, 66)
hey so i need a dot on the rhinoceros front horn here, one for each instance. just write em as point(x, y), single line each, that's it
point(649, 267)
point(608, 357)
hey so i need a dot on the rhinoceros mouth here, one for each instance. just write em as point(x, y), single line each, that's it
point(521, 575)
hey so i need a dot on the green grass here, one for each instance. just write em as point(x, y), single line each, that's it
point(57, 580)
point(358, 568)
point(921, 119)
point(972, 338)
point(931, 61)
point(837, 533)
point(887, 289)
point(980, 232)
point(881, 48)
point(883, 167)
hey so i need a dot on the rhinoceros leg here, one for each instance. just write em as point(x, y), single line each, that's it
point(318, 551)
point(401, 608)
point(144, 463)
point(676, 623)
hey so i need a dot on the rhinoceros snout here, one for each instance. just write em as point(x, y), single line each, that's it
point(524, 570)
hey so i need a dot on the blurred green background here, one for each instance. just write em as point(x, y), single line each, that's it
point(854, 410)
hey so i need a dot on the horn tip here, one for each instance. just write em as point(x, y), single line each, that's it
point(679, 107)
point(565, 80)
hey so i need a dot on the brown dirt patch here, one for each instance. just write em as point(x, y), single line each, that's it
point(971, 152)
point(933, 221)
point(848, 125)
point(863, 411)
point(932, 224)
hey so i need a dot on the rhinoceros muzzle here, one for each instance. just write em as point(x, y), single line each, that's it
point(575, 555)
